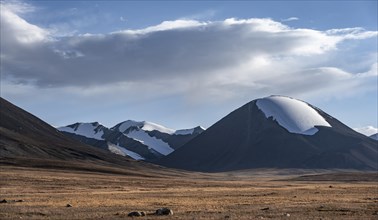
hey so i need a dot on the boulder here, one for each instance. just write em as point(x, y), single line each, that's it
point(164, 211)
point(136, 214)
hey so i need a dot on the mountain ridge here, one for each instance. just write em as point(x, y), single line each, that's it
point(141, 140)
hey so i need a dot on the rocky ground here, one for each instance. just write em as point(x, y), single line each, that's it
point(36, 193)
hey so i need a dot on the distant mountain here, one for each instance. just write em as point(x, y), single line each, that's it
point(374, 136)
point(139, 140)
point(276, 132)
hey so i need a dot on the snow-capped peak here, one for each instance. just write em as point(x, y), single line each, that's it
point(144, 125)
point(91, 130)
point(128, 124)
point(139, 132)
point(149, 126)
point(294, 115)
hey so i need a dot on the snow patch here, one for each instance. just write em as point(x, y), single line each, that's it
point(184, 131)
point(294, 115)
point(144, 125)
point(149, 126)
point(188, 131)
point(367, 130)
point(128, 124)
point(152, 142)
point(84, 129)
point(116, 149)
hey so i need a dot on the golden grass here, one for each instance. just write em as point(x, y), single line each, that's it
point(194, 196)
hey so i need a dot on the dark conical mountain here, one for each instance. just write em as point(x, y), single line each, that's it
point(276, 132)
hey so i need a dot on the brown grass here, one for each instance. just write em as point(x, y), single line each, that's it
point(45, 194)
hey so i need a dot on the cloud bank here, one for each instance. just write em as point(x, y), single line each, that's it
point(198, 60)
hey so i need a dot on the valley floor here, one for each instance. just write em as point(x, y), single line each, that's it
point(33, 193)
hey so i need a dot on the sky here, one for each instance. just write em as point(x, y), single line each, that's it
point(188, 63)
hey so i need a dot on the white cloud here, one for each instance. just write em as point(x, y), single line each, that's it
point(217, 60)
point(290, 19)
point(367, 130)
point(352, 33)
point(14, 28)
point(164, 26)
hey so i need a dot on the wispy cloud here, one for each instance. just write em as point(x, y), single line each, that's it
point(123, 19)
point(18, 7)
point(290, 19)
point(15, 29)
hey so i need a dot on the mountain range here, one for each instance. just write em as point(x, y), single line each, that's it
point(139, 140)
point(271, 132)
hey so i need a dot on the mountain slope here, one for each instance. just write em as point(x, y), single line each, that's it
point(274, 132)
point(26, 140)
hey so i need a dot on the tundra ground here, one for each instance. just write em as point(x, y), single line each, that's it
point(35, 193)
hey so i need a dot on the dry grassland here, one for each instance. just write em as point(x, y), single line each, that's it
point(45, 194)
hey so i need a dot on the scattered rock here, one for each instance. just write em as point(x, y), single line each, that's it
point(269, 194)
point(330, 186)
point(68, 205)
point(136, 214)
point(8, 201)
point(320, 208)
point(264, 209)
point(376, 198)
point(287, 215)
point(164, 211)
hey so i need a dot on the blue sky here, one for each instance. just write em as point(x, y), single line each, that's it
point(188, 63)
